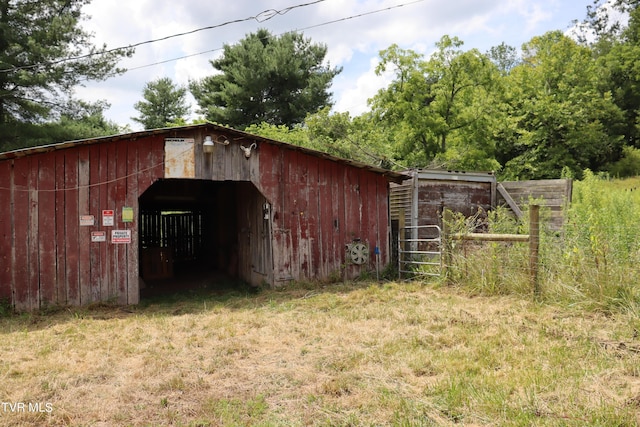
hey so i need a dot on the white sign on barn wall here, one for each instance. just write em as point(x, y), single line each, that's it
point(98, 236)
point(120, 236)
point(179, 155)
point(87, 220)
point(107, 218)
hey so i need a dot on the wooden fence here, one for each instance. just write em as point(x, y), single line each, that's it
point(533, 238)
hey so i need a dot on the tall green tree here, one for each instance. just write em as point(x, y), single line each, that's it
point(621, 62)
point(559, 117)
point(505, 57)
point(265, 78)
point(164, 103)
point(356, 138)
point(339, 134)
point(44, 55)
point(440, 109)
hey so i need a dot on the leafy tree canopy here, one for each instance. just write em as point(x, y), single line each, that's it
point(164, 103)
point(44, 54)
point(439, 109)
point(264, 78)
point(558, 115)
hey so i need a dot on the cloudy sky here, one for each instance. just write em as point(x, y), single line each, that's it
point(353, 30)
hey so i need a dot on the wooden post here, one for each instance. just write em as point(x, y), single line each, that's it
point(445, 242)
point(401, 237)
point(534, 245)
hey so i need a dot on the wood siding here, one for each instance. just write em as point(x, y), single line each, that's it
point(292, 212)
point(429, 192)
point(46, 256)
point(555, 195)
point(317, 208)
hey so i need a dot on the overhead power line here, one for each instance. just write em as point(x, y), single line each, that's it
point(386, 9)
point(263, 16)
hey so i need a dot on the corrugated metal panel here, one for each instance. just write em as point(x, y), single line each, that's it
point(401, 200)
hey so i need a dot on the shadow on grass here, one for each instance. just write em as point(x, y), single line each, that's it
point(230, 295)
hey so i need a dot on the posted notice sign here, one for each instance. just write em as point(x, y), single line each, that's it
point(87, 220)
point(107, 218)
point(98, 236)
point(120, 236)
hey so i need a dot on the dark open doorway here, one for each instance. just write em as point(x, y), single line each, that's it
point(198, 235)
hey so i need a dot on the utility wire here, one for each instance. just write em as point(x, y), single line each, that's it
point(386, 9)
point(25, 189)
point(263, 16)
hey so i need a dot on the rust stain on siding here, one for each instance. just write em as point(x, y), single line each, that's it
point(179, 155)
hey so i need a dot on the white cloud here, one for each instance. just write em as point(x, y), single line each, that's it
point(352, 43)
point(353, 97)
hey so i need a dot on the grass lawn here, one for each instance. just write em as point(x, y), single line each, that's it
point(352, 354)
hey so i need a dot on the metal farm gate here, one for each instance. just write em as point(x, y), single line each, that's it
point(420, 251)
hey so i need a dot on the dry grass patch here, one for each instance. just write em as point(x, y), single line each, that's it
point(394, 354)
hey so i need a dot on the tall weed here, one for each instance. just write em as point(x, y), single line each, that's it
point(599, 251)
point(592, 262)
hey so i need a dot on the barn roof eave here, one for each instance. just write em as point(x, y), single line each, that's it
point(392, 176)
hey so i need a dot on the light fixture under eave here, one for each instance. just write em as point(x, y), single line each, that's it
point(208, 146)
point(221, 139)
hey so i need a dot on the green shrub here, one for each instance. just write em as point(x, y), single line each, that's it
point(628, 165)
point(5, 307)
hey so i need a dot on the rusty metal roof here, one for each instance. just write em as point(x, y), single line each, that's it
point(173, 131)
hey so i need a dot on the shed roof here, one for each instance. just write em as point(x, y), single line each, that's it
point(173, 131)
point(451, 175)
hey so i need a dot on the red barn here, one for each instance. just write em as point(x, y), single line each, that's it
point(83, 221)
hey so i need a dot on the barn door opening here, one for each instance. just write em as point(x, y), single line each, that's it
point(198, 235)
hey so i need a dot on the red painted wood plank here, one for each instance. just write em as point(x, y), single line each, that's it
point(104, 253)
point(33, 245)
point(150, 161)
point(120, 201)
point(72, 226)
point(47, 227)
point(6, 237)
point(61, 213)
point(325, 220)
point(384, 184)
point(20, 254)
point(267, 174)
point(282, 231)
point(133, 292)
point(293, 207)
point(313, 219)
point(367, 223)
point(112, 258)
point(381, 221)
point(84, 232)
point(337, 215)
point(145, 160)
point(95, 260)
point(353, 209)
point(372, 217)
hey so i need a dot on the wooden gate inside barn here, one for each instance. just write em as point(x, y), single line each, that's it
point(170, 238)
